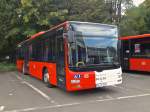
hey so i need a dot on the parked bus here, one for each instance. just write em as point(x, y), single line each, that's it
point(73, 56)
point(135, 52)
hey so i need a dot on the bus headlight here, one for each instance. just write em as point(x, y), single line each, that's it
point(75, 81)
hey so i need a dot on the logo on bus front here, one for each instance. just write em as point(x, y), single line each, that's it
point(77, 76)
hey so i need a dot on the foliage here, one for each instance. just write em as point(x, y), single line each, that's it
point(136, 20)
point(20, 19)
point(116, 8)
point(4, 66)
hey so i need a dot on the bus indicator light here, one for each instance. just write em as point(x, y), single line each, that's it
point(143, 63)
point(86, 76)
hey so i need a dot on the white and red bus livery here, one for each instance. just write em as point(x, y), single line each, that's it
point(73, 56)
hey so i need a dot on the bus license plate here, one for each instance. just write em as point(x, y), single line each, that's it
point(101, 84)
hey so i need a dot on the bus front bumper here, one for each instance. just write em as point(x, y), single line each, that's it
point(108, 77)
point(94, 79)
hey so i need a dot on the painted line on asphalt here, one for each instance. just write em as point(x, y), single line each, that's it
point(133, 96)
point(74, 104)
point(37, 90)
point(121, 98)
point(123, 88)
point(43, 108)
point(131, 88)
point(34, 88)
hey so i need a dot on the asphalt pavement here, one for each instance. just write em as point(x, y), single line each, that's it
point(23, 93)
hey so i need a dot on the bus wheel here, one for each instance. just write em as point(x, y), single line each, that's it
point(46, 78)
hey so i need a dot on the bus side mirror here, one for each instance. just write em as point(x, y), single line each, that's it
point(71, 36)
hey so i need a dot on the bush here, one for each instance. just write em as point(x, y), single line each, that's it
point(5, 66)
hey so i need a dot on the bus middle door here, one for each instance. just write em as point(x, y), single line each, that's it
point(26, 60)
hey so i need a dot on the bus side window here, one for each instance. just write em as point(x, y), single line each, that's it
point(45, 50)
point(41, 50)
point(60, 41)
point(33, 51)
point(30, 51)
point(18, 53)
point(37, 51)
point(51, 46)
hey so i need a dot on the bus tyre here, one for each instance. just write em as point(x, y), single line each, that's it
point(46, 78)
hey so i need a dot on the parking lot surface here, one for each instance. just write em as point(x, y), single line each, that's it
point(22, 93)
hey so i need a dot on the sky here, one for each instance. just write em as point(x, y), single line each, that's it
point(137, 2)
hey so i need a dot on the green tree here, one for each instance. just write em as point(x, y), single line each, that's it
point(116, 8)
point(20, 19)
point(136, 20)
point(7, 26)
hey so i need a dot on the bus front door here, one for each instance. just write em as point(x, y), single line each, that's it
point(60, 63)
point(125, 54)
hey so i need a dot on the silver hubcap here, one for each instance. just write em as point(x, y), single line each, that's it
point(46, 77)
point(23, 69)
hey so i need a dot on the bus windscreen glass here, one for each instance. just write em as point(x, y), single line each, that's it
point(94, 45)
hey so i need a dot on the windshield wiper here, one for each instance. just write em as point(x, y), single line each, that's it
point(116, 64)
point(96, 65)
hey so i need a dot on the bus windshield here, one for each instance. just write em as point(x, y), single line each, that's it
point(96, 45)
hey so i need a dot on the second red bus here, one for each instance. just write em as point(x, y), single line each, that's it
point(135, 52)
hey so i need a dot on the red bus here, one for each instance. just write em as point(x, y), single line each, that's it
point(135, 52)
point(73, 56)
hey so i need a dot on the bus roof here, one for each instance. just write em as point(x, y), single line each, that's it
point(78, 22)
point(37, 34)
point(60, 25)
point(134, 37)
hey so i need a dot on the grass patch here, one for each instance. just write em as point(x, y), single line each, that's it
point(4, 67)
